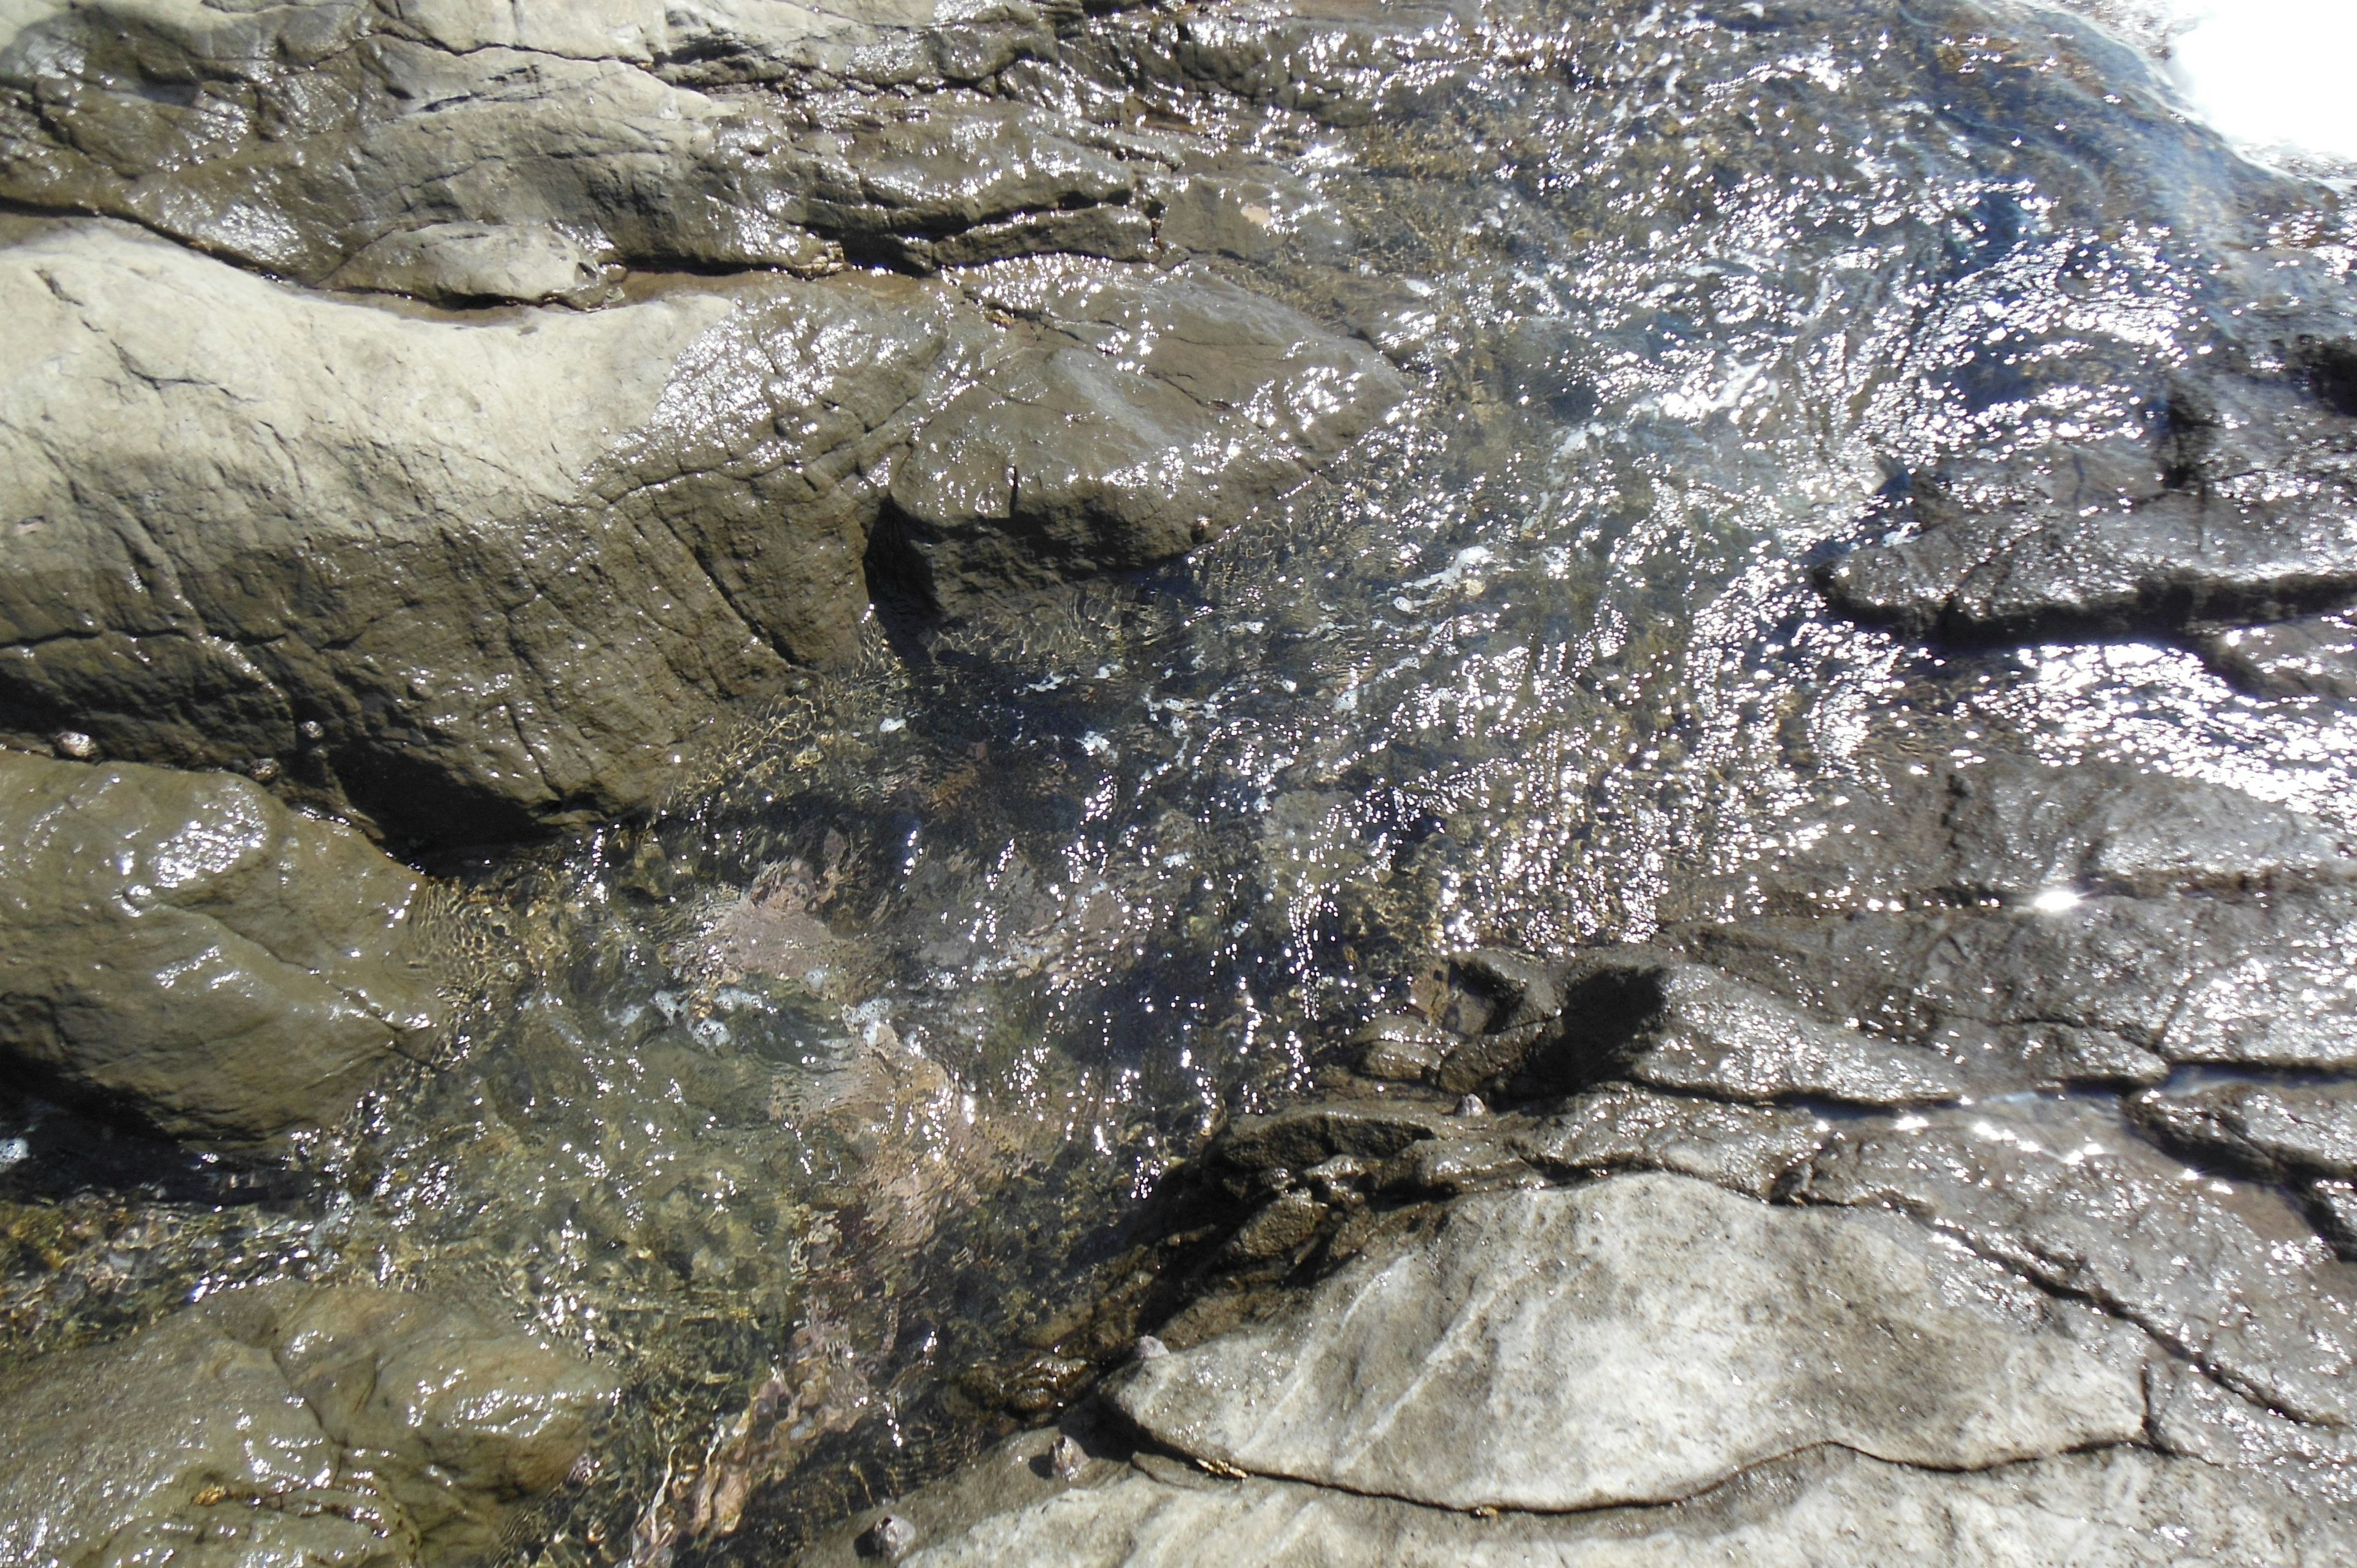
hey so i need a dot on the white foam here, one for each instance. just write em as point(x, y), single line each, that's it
point(2270, 74)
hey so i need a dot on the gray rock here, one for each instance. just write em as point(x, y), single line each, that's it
point(2237, 509)
point(344, 1425)
point(2229, 1278)
point(454, 150)
point(1572, 1348)
point(1301, 1136)
point(2119, 1508)
point(2281, 1133)
point(2198, 1418)
point(1398, 1047)
point(2016, 831)
point(2315, 656)
point(2333, 1206)
point(1650, 1015)
point(184, 946)
point(1148, 414)
point(468, 578)
point(461, 261)
point(1744, 1148)
point(473, 580)
point(1344, 62)
point(2190, 978)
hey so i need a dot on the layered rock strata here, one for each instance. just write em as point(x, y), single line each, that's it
point(1670, 1251)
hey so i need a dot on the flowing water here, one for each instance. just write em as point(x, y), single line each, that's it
point(852, 1069)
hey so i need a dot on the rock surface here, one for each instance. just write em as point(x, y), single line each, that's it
point(1145, 417)
point(345, 1425)
point(184, 947)
point(2119, 1509)
point(2235, 508)
point(2232, 1281)
point(2277, 1132)
point(459, 150)
point(1573, 1349)
point(474, 579)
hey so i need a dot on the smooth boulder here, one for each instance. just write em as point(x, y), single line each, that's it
point(183, 946)
point(284, 1422)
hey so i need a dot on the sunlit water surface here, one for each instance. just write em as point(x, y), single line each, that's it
point(850, 1067)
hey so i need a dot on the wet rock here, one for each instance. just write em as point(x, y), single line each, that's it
point(2004, 830)
point(2194, 1416)
point(2226, 1277)
point(345, 1425)
point(2236, 509)
point(2333, 1206)
point(2190, 979)
point(1399, 1047)
point(1257, 212)
point(2016, 831)
point(466, 579)
point(448, 152)
point(1824, 1508)
point(1450, 1166)
point(1744, 1148)
point(1280, 1225)
point(184, 947)
point(1477, 1369)
point(1147, 414)
point(2277, 1132)
point(1649, 1015)
point(457, 262)
point(1302, 1137)
point(1344, 63)
point(2315, 656)
point(2043, 926)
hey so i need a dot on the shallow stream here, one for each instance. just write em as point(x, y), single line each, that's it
point(844, 1074)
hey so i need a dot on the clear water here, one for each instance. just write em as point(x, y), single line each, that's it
point(851, 1068)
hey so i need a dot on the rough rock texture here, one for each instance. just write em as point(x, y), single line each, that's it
point(2230, 1280)
point(1570, 1348)
point(2114, 1509)
point(286, 1423)
point(184, 946)
point(1660, 1020)
point(1990, 926)
point(2236, 507)
point(2314, 656)
point(2053, 925)
point(1142, 419)
point(391, 555)
point(472, 577)
point(1744, 1148)
point(2273, 1131)
point(459, 151)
